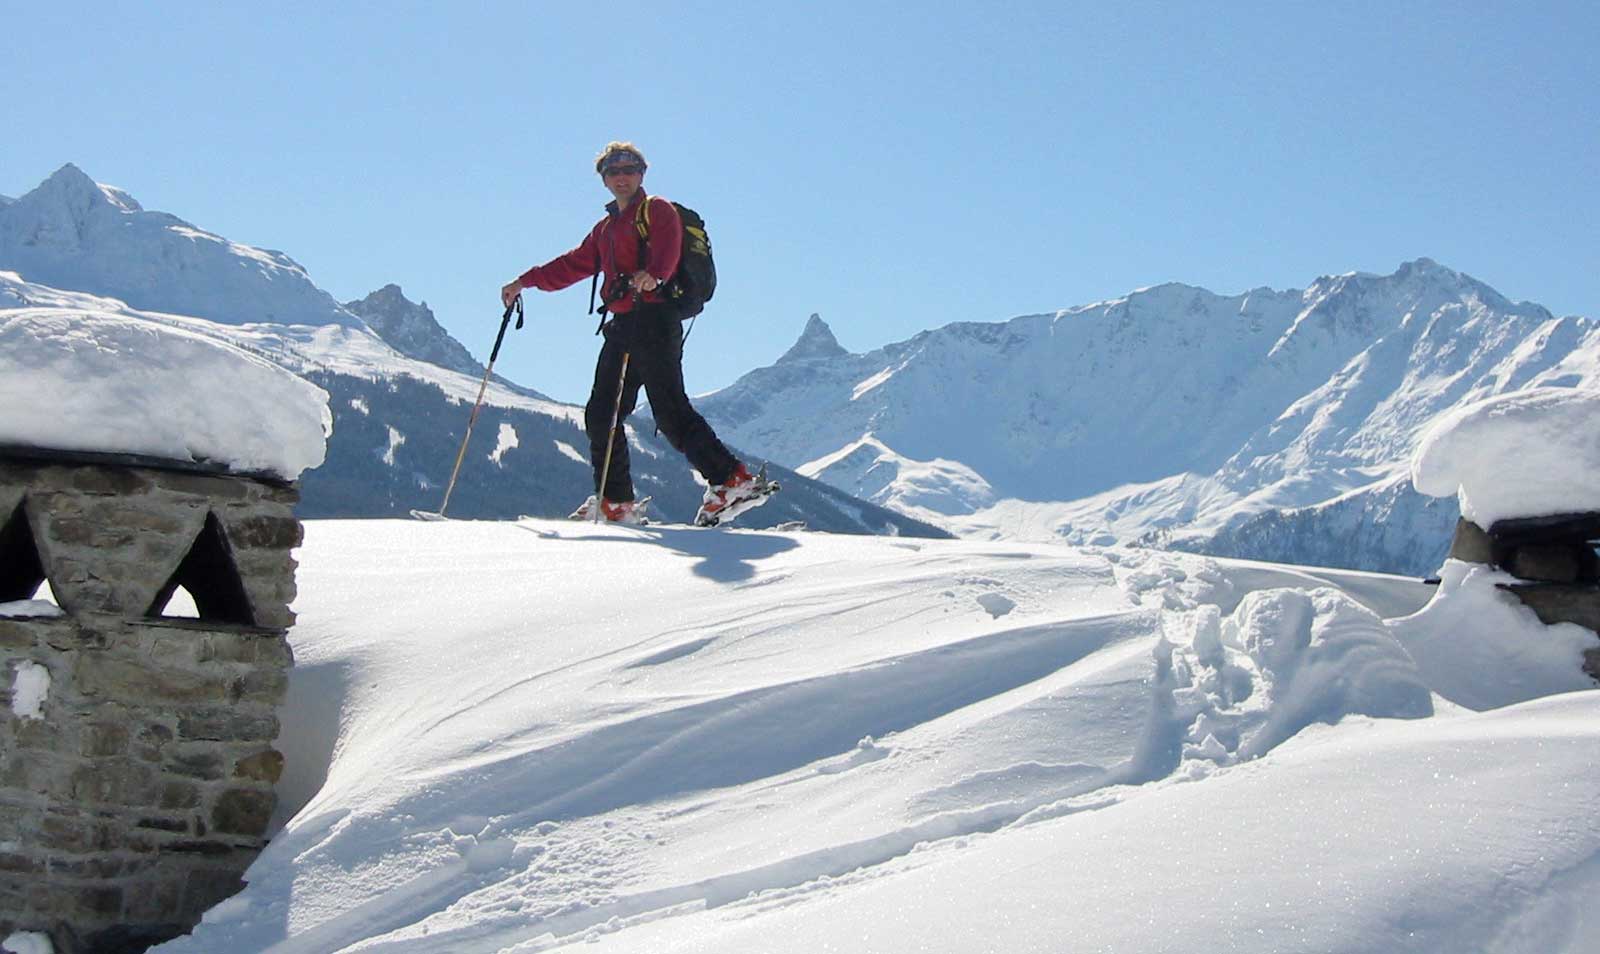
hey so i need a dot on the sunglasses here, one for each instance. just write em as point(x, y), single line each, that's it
point(628, 169)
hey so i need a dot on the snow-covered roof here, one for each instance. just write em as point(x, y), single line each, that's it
point(88, 374)
point(1530, 453)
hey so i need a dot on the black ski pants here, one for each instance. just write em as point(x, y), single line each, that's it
point(652, 336)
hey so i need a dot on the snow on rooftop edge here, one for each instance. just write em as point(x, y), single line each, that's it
point(1530, 453)
point(92, 379)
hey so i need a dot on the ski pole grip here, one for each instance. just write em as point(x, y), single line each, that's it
point(516, 306)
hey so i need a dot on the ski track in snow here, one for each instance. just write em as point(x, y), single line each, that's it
point(858, 707)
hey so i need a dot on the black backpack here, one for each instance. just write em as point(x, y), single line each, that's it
point(695, 281)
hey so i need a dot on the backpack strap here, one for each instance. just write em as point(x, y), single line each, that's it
point(641, 220)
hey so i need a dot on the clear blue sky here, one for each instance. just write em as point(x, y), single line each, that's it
point(894, 167)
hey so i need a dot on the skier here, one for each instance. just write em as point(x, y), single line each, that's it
point(643, 347)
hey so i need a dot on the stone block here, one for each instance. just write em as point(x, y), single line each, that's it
point(177, 795)
point(155, 522)
point(101, 902)
point(145, 683)
point(228, 725)
point(179, 649)
point(98, 867)
point(155, 900)
point(1471, 543)
point(111, 481)
point(17, 822)
point(83, 532)
point(151, 741)
point(15, 635)
point(38, 772)
point(12, 863)
point(197, 761)
point(166, 823)
point(263, 686)
point(265, 766)
point(48, 734)
point(1561, 602)
point(266, 532)
point(277, 617)
point(243, 811)
point(1545, 562)
point(229, 647)
point(121, 781)
point(281, 496)
point(206, 486)
point(74, 835)
point(103, 739)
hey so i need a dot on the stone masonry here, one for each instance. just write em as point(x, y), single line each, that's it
point(1555, 563)
point(137, 793)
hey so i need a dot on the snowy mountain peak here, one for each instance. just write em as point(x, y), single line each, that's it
point(71, 187)
point(816, 341)
point(74, 233)
point(411, 329)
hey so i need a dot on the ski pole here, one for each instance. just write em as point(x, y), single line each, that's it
point(611, 440)
point(516, 306)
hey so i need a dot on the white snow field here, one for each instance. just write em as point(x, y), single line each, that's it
point(539, 735)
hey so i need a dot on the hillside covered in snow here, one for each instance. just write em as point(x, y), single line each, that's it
point(1271, 424)
point(499, 743)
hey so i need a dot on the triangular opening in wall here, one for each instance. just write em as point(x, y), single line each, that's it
point(210, 577)
point(22, 575)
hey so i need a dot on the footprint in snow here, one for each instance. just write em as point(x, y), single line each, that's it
point(996, 604)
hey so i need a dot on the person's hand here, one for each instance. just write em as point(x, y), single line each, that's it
point(643, 282)
point(509, 292)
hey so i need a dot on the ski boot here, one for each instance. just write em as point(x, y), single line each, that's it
point(743, 491)
point(631, 512)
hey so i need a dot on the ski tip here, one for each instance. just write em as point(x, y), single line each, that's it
point(429, 515)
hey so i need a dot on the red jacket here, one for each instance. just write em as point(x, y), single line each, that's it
point(612, 249)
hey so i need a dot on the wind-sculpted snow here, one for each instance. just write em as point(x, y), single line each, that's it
point(518, 737)
point(1471, 628)
point(1283, 660)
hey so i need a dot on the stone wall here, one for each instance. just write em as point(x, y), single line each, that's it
point(137, 793)
point(1553, 557)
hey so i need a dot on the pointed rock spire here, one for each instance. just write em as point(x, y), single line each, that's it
point(816, 341)
point(73, 186)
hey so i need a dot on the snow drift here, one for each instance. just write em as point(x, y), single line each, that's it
point(517, 737)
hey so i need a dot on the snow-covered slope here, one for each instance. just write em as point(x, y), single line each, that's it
point(1172, 409)
point(787, 742)
point(71, 232)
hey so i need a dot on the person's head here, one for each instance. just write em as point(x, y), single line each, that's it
point(621, 166)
